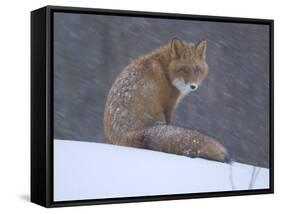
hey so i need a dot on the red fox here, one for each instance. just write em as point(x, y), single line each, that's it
point(142, 99)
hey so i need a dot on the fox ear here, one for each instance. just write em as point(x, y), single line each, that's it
point(200, 49)
point(177, 48)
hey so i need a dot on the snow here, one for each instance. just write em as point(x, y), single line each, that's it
point(87, 170)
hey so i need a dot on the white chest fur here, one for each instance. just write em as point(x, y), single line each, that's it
point(183, 88)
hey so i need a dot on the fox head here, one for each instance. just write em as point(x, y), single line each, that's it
point(187, 67)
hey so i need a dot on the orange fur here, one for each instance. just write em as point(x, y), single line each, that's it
point(142, 99)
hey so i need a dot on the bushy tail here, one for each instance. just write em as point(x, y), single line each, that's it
point(178, 140)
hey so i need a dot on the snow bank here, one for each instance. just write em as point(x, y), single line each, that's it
point(84, 170)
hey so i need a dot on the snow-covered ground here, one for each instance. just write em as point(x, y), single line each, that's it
point(84, 170)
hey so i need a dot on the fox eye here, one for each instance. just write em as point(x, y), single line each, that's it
point(185, 71)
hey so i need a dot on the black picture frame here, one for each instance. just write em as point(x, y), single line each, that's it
point(42, 105)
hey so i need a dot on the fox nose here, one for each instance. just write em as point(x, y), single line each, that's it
point(193, 87)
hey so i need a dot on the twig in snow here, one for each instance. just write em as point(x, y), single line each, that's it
point(254, 177)
point(231, 177)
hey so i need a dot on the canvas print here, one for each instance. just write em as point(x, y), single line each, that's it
point(149, 106)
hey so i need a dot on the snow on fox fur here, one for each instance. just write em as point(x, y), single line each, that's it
point(142, 99)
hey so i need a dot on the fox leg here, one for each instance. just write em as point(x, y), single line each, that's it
point(181, 141)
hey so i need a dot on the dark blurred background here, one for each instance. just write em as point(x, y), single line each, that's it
point(232, 104)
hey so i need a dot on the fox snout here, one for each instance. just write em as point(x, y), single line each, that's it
point(193, 87)
point(183, 87)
